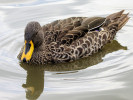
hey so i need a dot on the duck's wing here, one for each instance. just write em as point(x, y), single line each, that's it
point(67, 30)
point(92, 41)
point(56, 30)
point(87, 24)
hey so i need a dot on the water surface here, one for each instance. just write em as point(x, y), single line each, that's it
point(106, 75)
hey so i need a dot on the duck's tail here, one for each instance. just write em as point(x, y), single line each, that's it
point(123, 20)
point(118, 19)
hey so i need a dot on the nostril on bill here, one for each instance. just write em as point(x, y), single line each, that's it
point(24, 60)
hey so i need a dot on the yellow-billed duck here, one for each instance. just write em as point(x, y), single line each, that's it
point(69, 39)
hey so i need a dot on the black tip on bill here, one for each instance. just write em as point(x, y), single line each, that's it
point(24, 60)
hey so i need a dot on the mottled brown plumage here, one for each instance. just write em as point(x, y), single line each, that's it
point(72, 38)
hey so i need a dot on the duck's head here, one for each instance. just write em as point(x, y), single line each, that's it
point(33, 38)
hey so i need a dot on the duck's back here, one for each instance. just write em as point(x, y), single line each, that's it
point(68, 30)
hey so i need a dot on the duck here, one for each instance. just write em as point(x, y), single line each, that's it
point(69, 39)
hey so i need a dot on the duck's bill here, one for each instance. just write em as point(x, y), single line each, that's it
point(28, 51)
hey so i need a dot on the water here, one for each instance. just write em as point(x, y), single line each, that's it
point(107, 75)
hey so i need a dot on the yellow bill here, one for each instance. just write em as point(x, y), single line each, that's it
point(28, 51)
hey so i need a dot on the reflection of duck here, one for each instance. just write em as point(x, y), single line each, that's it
point(35, 74)
point(69, 39)
point(34, 83)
